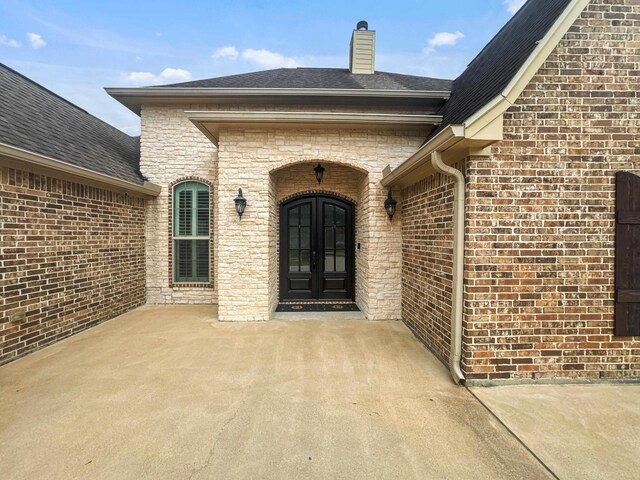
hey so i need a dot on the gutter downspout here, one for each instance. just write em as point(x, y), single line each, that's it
point(455, 356)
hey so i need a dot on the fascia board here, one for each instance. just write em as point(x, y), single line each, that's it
point(147, 188)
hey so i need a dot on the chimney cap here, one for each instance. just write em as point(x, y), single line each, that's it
point(362, 25)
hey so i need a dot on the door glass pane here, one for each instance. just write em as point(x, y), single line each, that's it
point(305, 214)
point(305, 237)
point(340, 261)
point(293, 237)
point(340, 216)
point(329, 238)
point(294, 265)
point(294, 216)
point(340, 237)
point(329, 214)
point(328, 261)
point(305, 262)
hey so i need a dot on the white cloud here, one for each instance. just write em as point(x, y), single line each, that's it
point(141, 77)
point(166, 76)
point(442, 39)
point(267, 59)
point(36, 40)
point(513, 5)
point(175, 74)
point(229, 52)
point(4, 40)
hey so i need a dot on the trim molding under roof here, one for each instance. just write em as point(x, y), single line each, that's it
point(209, 122)
point(133, 98)
point(35, 159)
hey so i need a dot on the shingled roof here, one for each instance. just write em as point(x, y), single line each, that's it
point(35, 119)
point(332, 78)
point(497, 64)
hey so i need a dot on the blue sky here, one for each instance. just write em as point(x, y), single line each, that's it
point(76, 48)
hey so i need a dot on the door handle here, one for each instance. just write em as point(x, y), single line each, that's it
point(313, 260)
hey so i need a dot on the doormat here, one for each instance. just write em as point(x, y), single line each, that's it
point(317, 307)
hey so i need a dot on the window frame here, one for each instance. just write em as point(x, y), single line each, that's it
point(197, 186)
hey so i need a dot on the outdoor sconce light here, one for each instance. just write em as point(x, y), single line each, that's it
point(319, 173)
point(390, 206)
point(241, 203)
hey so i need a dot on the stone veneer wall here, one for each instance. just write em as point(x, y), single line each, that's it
point(172, 148)
point(72, 257)
point(427, 261)
point(540, 250)
point(246, 264)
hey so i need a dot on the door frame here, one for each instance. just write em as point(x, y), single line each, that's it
point(282, 245)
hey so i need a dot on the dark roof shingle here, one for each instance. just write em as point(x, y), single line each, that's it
point(34, 119)
point(496, 65)
point(332, 78)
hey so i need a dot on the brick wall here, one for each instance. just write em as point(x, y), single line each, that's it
point(72, 257)
point(427, 255)
point(540, 233)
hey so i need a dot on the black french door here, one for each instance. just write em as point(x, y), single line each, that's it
point(317, 248)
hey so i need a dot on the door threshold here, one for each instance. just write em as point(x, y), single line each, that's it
point(316, 306)
point(315, 316)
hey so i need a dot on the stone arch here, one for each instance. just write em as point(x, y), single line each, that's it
point(318, 191)
point(326, 160)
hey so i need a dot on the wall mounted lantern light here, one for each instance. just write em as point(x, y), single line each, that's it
point(241, 203)
point(390, 205)
point(319, 173)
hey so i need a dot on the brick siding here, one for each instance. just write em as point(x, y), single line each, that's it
point(72, 257)
point(427, 261)
point(540, 233)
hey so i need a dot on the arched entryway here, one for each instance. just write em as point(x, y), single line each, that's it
point(317, 248)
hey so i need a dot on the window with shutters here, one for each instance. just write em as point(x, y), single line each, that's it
point(191, 240)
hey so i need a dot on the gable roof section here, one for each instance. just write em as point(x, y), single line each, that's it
point(500, 61)
point(493, 81)
point(37, 120)
point(321, 78)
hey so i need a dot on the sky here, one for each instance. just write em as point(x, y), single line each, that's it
point(75, 48)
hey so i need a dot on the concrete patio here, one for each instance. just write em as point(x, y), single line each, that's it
point(588, 432)
point(169, 392)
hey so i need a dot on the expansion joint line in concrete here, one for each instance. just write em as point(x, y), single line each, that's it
point(514, 434)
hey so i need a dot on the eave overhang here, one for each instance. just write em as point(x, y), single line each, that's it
point(134, 98)
point(484, 127)
point(454, 143)
point(24, 157)
point(210, 122)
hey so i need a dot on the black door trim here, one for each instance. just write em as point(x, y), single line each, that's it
point(317, 245)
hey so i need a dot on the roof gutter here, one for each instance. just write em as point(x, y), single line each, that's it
point(31, 158)
point(133, 98)
point(261, 92)
point(413, 167)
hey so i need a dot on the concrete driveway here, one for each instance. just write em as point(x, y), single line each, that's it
point(168, 392)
